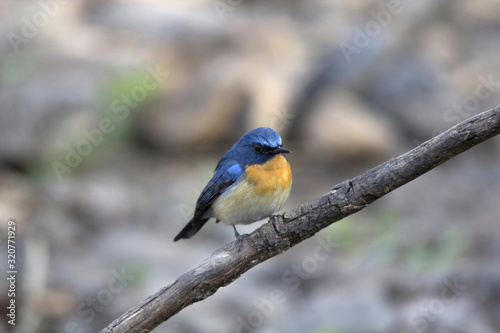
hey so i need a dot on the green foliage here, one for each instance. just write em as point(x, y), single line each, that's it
point(138, 270)
point(116, 107)
point(438, 255)
point(382, 242)
point(344, 232)
point(118, 94)
point(378, 243)
point(16, 68)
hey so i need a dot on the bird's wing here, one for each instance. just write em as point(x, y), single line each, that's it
point(224, 177)
point(226, 173)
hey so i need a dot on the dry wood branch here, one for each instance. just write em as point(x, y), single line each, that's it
point(226, 264)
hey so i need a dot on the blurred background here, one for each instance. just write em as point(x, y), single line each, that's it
point(113, 115)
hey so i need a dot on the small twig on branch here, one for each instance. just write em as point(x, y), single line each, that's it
point(227, 264)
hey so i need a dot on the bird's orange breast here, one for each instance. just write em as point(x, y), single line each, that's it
point(274, 175)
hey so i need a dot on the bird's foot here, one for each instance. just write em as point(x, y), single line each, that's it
point(238, 237)
point(273, 218)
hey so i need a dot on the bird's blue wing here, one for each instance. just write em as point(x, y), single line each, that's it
point(225, 175)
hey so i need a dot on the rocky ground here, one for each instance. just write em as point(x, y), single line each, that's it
point(113, 116)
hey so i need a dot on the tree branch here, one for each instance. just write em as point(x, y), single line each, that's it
point(227, 264)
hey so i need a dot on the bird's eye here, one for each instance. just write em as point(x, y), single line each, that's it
point(258, 148)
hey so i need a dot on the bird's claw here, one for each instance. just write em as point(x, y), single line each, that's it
point(273, 218)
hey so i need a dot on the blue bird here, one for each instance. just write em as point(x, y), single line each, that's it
point(252, 181)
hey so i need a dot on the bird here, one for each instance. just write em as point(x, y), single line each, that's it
point(251, 182)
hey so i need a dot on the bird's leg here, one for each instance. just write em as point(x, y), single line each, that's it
point(273, 218)
point(238, 237)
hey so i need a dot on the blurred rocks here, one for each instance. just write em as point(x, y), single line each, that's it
point(342, 127)
point(54, 303)
point(342, 311)
point(16, 199)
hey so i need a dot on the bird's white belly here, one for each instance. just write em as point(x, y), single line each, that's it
point(241, 205)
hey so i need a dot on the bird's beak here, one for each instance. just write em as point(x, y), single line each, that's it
point(280, 150)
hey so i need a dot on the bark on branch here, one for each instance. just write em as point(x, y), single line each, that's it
point(226, 264)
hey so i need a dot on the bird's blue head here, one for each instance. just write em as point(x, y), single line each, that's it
point(258, 146)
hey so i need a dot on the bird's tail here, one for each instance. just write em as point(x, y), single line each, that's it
point(190, 229)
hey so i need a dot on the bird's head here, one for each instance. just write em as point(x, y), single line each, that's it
point(258, 146)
